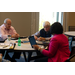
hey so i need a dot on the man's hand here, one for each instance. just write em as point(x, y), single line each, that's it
point(35, 37)
point(41, 39)
point(15, 36)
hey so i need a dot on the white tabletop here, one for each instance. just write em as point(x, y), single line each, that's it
point(24, 46)
point(70, 33)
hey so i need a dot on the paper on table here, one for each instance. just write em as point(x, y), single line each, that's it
point(5, 46)
point(42, 42)
point(23, 47)
point(39, 42)
point(11, 41)
point(47, 38)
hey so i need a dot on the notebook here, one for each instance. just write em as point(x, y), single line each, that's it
point(32, 41)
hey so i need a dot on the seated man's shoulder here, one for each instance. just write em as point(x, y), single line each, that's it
point(2, 26)
point(12, 27)
point(42, 29)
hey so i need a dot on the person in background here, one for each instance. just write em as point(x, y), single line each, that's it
point(58, 49)
point(6, 29)
point(43, 33)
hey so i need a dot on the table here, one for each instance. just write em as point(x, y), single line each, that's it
point(70, 34)
point(25, 47)
point(42, 42)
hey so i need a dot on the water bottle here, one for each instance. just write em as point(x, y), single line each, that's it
point(19, 42)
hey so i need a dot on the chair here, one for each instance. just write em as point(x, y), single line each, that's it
point(71, 58)
point(71, 39)
point(72, 48)
point(71, 28)
point(72, 55)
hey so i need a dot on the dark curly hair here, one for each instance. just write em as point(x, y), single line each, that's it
point(56, 28)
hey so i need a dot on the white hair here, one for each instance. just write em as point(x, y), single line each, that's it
point(46, 23)
point(5, 21)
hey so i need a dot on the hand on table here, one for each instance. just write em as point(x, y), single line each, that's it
point(15, 36)
point(49, 39)
point(35, 37)
point(41, 39)
point(36, 47)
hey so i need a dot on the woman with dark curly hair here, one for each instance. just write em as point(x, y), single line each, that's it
point(58, 49)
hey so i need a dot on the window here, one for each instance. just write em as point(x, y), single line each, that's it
point(51, 17)
point(37, 19)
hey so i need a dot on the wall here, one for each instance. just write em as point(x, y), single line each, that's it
point(21, 21)
point(68, 20)
point(71, 21)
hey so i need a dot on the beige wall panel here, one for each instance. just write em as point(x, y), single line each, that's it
point(21, 21)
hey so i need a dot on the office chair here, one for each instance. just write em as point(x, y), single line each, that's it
point(72, 55)
point(71, 58)
point(71, 45)
point(71, 39)
point(71, 28)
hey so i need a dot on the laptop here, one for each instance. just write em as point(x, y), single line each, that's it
point(32, 40)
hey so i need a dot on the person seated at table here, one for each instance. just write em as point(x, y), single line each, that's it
point(6, 29)
point(58, 49)
point(43, 33)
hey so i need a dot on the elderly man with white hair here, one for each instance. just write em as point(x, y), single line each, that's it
point(43, 33)
point(6, 29)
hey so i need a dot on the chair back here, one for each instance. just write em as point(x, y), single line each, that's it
point(72, 59)
point(72, 51)
point(72, 55)
point(71, 28)
point(71, 39)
